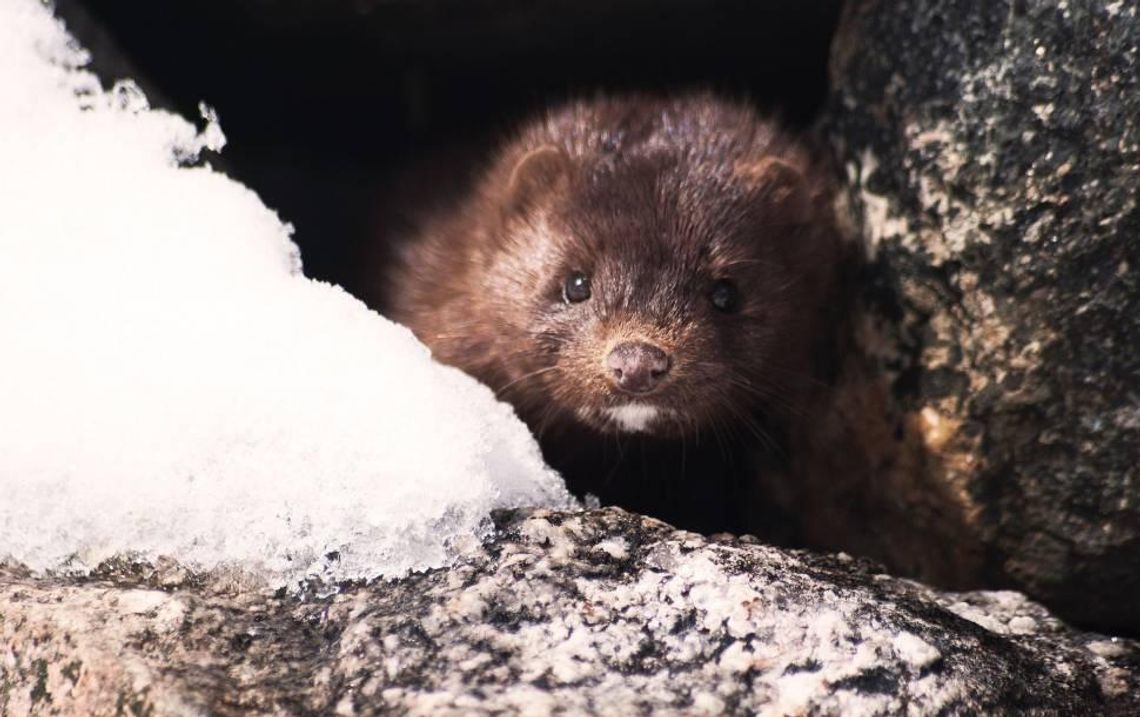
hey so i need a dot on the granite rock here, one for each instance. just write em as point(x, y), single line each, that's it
point(994, 155)
point(598, 612)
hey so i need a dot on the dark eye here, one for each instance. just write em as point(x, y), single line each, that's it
point(724, 296)
point(577, 288)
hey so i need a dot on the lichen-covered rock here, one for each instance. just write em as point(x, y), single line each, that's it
point(601, 612)
point(994, 152)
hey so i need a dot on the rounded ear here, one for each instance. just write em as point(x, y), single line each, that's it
point(538, 173)
point(779, 183)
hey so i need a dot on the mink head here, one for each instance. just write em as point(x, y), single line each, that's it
point(655, 271)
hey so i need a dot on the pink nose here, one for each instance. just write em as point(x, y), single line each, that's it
point(637, 367)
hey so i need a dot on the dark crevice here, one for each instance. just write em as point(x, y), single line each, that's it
point(327, 104)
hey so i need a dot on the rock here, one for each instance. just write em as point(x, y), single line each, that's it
point(994, 155)
point(601, 612)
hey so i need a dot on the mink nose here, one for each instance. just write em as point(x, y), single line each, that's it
point(637, 367)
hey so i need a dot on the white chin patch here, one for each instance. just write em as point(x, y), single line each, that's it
point(633, 417)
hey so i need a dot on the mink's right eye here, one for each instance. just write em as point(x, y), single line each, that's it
point(576, 289)
point(725, 296)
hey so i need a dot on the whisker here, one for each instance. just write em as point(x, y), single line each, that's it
point(544, 419)
point(757, 429)
point(525, 376)
point(802, 376)
point(616, 464)
point(771, 396)
point(748, 262)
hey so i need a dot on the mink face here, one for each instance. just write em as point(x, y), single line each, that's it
point(631, 266)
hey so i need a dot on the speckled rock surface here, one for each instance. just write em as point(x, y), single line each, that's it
point(994, 150)
point(601, 612)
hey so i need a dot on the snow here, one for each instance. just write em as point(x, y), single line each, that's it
point(171, 384)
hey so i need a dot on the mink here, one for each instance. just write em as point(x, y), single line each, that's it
point(647, 280)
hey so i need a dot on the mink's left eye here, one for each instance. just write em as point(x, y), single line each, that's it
point(576, 288)
point(724, 296)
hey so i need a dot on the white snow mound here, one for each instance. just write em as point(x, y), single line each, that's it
point(170, 383)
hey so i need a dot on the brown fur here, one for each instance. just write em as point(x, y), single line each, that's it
point(655, 199)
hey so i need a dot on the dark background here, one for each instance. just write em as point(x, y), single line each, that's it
point(326, 103)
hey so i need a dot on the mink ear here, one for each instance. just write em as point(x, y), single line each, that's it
point(778, 182)
point(539, 172)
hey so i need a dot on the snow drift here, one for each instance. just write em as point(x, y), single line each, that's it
point(171, 384)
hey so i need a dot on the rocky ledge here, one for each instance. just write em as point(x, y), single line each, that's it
point(601, 612)
point(993, 156)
